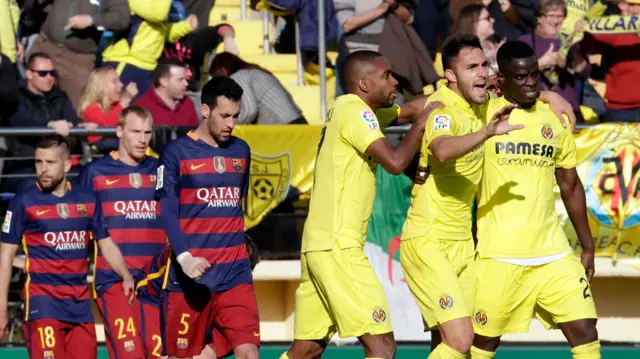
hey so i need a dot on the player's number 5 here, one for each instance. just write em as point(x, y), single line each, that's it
point(47, 337)
point(185, 325)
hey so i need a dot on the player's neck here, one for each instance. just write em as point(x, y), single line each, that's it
point(454, 87)
point(513, 101)
point(374, 106)
point(123, 156)
point(203, 134)
point(61, 188)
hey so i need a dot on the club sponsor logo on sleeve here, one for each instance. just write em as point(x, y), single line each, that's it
point(6, 225)
point(160, 179)
point(441, 122)
point(370, 119)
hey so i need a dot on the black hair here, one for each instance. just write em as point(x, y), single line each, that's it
point(220, 86)
point(513, 50)
point(456, 43)
point(54, 141)
point(163, 69)
point(37, 55)
point(353, 65)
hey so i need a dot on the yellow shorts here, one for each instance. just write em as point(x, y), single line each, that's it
point(508, 295)
point(339, 290)
point(441, 277)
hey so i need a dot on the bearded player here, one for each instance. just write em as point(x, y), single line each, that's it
point(124, 181)
point(339, 290)
point(202, 181)
point(525, 264)
point(54, 222)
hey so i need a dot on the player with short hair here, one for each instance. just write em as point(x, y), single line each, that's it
point(339, 290)
point(437, 247)
point(54, 222)
point(202, 182)
point(525, 264)
point(124, 182)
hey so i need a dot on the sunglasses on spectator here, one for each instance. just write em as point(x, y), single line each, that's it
point(44, 73)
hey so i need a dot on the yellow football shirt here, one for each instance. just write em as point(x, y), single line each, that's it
point(516, 210)
point(344, 176)
point(441, 207)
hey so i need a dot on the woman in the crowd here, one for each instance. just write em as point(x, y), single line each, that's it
point(102, 102)
point(559, 73)
point(475, 19)
point(265, 100)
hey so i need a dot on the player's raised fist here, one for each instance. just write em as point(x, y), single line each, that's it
point(193, 267)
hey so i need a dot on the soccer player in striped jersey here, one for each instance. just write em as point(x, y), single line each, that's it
point(54, 222)
point(202, 181)
point(124, 182)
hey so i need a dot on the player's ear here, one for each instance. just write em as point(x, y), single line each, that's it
point(450, 76)
point(67, 164)
point(363, 85)
point(499, 80)
point(205, 110)
point(119, 131)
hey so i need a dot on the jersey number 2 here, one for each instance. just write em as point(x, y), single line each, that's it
point(585, 293)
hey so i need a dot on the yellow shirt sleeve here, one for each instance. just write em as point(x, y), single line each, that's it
point(9, 17)
point(178, 30)
point(359, 127)
point(440, 123)
point(386, 116)
point(567, 157)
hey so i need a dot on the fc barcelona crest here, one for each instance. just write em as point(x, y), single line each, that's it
point(219, 164)
point(82, 210)
point(63, 210)
point(135, 179)
point(237, 164)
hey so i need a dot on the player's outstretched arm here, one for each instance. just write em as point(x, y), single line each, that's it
point(410, 111)
point(447, 147)
point(7, 254)
point(395, 160)
point(560, 107)
point(114, 258)
point(573, 197)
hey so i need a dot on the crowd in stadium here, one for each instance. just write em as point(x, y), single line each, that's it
point(143, 65)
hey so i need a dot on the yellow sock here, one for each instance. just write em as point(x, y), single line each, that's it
point(444, 351)
point(284, 356)
point(587, 351)
point(477, 353)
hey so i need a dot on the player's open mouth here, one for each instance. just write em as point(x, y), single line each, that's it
point(480, 88)
point(530, 93)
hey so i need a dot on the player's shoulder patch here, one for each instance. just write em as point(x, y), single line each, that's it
point(6, 225)
point(370, 119)
point(160, 177)
point(442, 121)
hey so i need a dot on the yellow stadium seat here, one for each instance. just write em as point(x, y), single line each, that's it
point(275, 63)
point(308, 99)
point(248, 37)
point(235, 3)
point(287, 78)
point(220, 14)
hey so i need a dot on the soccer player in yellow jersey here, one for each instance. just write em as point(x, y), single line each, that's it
point(339, 290)
point(525, 264)
point(437, 247)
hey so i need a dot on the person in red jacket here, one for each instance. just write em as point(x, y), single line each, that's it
point(102, 102)
point(621, 56)
point(166, 100)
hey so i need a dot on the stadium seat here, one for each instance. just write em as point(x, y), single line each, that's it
point(308, 99)
point(274, 63)
point(248, 37)
point(287, 78)
point(221, 14)
point(235, 3)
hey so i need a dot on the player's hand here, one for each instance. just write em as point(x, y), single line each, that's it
point(128, 284)
point(423, 116)
point(4, 322)
point(561, 107)
point(422, 173)
point(499, 124)
point(588, 261)
point(193, 267)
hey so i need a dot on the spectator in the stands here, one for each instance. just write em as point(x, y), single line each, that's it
point(166, 99)
point(264, 100)
point(71, 35)
point(557, 73)
point(9, 19)
point(621, 57)
point(135, 52)
point(506, 22)
point(40, 104)
point(102, 102)
point(475, 19)
point(8, 85)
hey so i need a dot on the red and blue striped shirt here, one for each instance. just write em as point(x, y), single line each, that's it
point(202, 190)
point(55, 233)
point(131, 213)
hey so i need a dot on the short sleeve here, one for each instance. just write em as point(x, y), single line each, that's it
point(387, 115)
point(359, 127)
point(440, 123)
point(85, 179)
point(168, 174)
point(98, 225)
point(14, 222)
point(567, 157)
